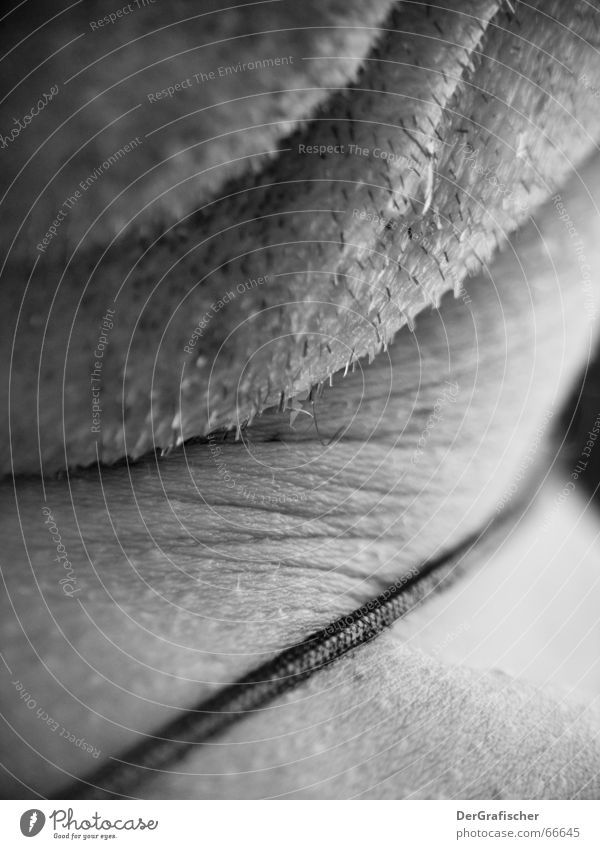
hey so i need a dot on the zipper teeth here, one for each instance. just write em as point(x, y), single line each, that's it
point(120, 778)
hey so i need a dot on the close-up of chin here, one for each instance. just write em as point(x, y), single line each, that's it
point(300, 446)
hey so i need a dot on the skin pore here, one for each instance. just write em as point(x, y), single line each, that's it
point(188, 570)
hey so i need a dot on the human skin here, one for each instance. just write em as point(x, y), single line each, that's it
point(337, 286)
point(190, 569)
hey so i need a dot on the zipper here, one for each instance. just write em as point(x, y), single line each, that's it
point(122, 777)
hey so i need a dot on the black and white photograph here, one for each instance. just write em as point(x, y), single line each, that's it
point(300, 448)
